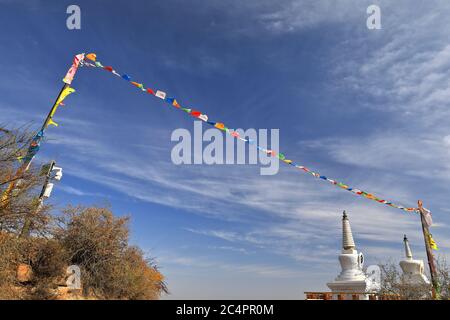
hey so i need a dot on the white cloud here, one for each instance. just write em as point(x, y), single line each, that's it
point(420, 154)
point(406, 67)
point(260, 270)
point(78, 192)
point(295, 16)
point(230, 248)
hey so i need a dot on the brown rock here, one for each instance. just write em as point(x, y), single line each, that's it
point(24, 272)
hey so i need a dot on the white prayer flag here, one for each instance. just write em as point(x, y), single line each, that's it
point(427, 216)
point(160, 94)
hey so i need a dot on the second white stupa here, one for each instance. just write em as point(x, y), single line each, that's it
point(413, 270)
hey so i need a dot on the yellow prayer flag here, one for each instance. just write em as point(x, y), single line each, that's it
point(51, 122)
point(64, 94)
point(432, 242)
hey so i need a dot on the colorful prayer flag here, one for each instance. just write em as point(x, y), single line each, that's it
point(91, 56)
point(432, 242)
point(427, 217)
point(51, 122)
point(68, 78)
point(160, 94)
point(64, 94)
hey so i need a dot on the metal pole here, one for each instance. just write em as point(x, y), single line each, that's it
point(429, 251)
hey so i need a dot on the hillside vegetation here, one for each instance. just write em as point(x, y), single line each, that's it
point(33, 264)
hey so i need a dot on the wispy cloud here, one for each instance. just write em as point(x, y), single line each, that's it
point(230, 248)
point(78, 192)
point(260, 270)
point(406, 69)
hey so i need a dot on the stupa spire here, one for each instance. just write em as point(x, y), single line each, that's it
point(408, 252)
point(347, 237)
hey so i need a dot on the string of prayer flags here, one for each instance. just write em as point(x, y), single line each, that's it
point(219, 125)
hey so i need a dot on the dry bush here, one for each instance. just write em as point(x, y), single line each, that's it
point(136, 278)
point(10, 258)
point(97, 242)
point(46, 258)
point(443, 274)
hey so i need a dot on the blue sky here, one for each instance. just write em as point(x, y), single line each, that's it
point(366, 107)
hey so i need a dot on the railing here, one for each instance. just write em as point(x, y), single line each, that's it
point(350, 296)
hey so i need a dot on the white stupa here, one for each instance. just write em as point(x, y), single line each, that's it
point(352, 278)
point(413, 270)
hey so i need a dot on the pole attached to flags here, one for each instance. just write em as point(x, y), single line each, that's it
point(27, 160)
point(430, 256)
point(35, 142)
